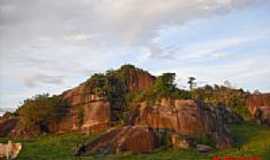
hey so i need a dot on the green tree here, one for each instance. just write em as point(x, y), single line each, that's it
point(191, 82)
point(164, 84)
point(40, 110)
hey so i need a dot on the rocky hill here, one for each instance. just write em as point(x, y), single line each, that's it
point(130, 103)
point(100, 100)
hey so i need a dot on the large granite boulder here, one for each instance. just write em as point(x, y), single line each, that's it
point(257, 100)
point(137, 139)
point(137, 79)
point(258, 105)
point(88, 112)
point(7, 125)
point(262, 115)
point(185, 117)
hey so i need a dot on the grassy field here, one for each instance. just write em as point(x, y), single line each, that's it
point(251, 140)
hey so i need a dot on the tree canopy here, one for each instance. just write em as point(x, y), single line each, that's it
point(40, 110)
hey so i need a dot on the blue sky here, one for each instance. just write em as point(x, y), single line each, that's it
point(50, 46)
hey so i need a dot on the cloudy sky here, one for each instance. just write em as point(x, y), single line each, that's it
point(50, 46)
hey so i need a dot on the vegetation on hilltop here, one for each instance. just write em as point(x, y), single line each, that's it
point(40, 110)
point(163, 87)
point(226, 96)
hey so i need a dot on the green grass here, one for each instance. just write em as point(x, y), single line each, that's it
point(251, 140)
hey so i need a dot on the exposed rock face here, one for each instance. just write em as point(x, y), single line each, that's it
point(137, 139)
point(262, 115)
point(257, 100)
point(185, 117)
point(259, 106)
point(92, 113)
point(88, 112)
point(183, 120)
point(7, 125)
point(138, 80)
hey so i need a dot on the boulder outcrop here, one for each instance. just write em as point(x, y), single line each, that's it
point(7, 125)
point(88, 112)
point(185, 117)
point(137, 139)
point(259, 107)
point(257, 100)
point(262, 115)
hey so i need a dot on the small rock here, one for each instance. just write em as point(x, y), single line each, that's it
point(180, 142)
point(204, 148)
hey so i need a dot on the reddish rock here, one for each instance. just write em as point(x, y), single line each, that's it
point(185, 117)
point(257, 100)
point(97, 116)
point(7, 125)
point(88, 112)
point(258, 105)
point(96, 110)
point(181, 142)
point(137, 139)
point(262, 115)
point(136, 79)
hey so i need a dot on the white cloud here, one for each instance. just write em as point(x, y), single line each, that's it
point(213, 47)
point(43, 41)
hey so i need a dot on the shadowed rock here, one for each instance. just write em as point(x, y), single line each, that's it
point(7, 125)
point(262, 115)
point(259, 107)
point(137, 139)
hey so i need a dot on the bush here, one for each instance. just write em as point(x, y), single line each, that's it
point(163, 86)
point(221, 95)
point(80, 117)
point(40, 110)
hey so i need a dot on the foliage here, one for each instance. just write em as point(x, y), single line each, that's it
point(40, 110)
point(221, 95)
point(191, 82)
point(114, 85)
point(163, 86)
point(80, 117)
point(97, 84)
